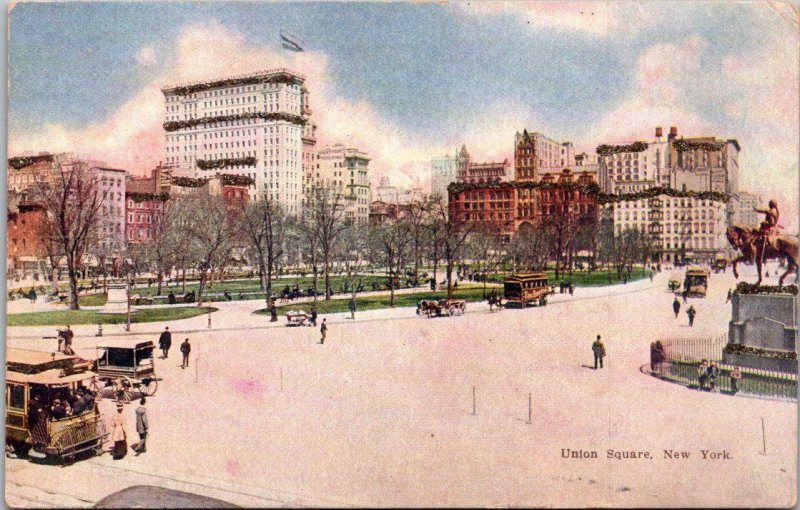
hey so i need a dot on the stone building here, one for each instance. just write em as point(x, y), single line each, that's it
point(346, 170)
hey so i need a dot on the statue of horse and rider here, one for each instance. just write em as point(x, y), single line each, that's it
point(764, 243)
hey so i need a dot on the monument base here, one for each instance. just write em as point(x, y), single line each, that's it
point(787, 366)
point(117, 301)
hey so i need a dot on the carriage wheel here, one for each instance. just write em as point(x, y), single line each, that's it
point(148, 387)
point(451, 311)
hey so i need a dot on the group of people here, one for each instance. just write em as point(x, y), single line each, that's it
point(119, 434)
point(690, 312)
point(165, 342)
point(708, 373)
point(657, 356)
point(62, 405)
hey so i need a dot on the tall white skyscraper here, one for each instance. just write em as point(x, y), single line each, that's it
point(249, 125)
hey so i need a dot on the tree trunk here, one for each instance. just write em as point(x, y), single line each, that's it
point(269, 280)
point(391, 288)
point(202, 286)
point(326, 267)
point(184, 279)
point(314, 281)
point(159, 276)
point(73, 285)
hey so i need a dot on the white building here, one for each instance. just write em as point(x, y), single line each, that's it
point(347, 170)
point(253, 125)
point(443, 172)
point(111, 187)
point(743, 213)
point(691, 164)
point(682, 229)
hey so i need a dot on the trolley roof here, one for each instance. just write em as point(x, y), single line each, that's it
point(49, 377)
point(697, 271)
point(525, 277)
point(30, 357)
point(124, 343)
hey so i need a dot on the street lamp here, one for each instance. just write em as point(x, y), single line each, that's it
point(128, 295)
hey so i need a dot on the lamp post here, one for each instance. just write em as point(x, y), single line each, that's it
point(128, 295)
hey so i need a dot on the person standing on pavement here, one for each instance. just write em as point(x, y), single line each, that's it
point(186, 348)
point(323, 331)
point(314, 316)
point(676, 307)
point(352, 307)
point(599, 351)
point(141, 427)
point(165, 342)
point(118, 434)
point(273, 312)
point(691, 313)
point(730, 295)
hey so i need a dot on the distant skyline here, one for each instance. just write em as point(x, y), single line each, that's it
point(410, 82)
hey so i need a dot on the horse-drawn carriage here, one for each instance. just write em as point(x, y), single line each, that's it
point(696, 281)
point(674, 284)
point(441, 307)
point(526, 289)
point(36, 385)
point(126, 365)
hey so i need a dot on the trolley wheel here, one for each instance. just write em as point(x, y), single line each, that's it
point(148, 387)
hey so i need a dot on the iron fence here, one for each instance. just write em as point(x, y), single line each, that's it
point(682, 358)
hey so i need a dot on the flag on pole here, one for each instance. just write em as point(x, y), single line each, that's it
point(290, 42)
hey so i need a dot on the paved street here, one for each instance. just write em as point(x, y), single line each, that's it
point(382, 413)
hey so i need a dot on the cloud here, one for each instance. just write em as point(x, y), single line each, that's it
point(146, 57)
point(592, 19)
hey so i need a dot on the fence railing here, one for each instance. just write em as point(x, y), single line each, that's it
point(682, 358)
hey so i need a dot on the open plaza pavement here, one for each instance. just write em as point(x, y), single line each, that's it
point(382, 413)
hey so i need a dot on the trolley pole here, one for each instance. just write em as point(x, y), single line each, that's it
point(529, 408)
point(209, 319)
point(196, 361)
point(473, 401)
point(763, 437)
point(128, 294)
point(281, 379)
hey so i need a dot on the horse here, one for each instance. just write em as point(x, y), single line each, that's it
point(750, 242)
point(428, 308)
point(494, 300)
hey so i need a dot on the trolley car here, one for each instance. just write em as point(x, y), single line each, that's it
point(34, 381)
point(696, 281)
point(526, 289)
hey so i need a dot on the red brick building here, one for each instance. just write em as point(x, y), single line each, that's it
point(506, 206)
point(25, 249)
point(144, 201)
point(474, 173)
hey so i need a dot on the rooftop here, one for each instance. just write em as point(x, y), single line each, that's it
point(255, 77)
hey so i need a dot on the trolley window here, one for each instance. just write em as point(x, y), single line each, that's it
point(15, 396)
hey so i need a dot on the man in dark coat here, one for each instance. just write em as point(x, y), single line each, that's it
point(314, 316)
point(186, 348)
point(691, 313)
point(676, 307)
point(599, 351)
point(165, 342)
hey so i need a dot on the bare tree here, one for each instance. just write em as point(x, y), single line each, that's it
point(73, 204)
point(352, 255)
point(325, 212)
point(417, 217)
point(263, 225)
point(530, 248)
point(160, 248)
point(484, 246)
point(209, 231)
point(311, 252)
point(454, 233)
point(389, 248)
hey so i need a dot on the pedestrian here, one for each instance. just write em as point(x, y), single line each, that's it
point(186, 348)
point(118, 434)
point(352, 307)
point(314, 316)
point(273, 312)
point(691, 313)
point(660, 355)
point(736, 376)
point(685, 294)
point(323, 331)
point(730, 295)
point(599, 351)
point(702, 375)
point(713, 373)
point(141, 427)
point(165, 342)
point(676, 307)
point(651, 277)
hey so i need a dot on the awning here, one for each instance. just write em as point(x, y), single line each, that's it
point(49, 377)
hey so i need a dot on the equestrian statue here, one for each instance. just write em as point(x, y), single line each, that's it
point(764, 243)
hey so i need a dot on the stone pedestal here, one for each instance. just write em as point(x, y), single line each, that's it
point(764, 321)
point(117, 303)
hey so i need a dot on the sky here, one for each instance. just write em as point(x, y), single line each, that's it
point(410, 82)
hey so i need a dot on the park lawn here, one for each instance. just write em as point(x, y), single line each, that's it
point(252, 285)
point(71, 317)
point(582, 278)
point(365, 303)
point(93, 299)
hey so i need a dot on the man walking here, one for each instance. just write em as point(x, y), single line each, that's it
point(323, 330)
point(186, 348)
point(730, 295)
point(691, 313)
point(141, 427)
point(599, 351)
point(165, 342)
point(352, 308)
point(676, 307)
point(314, 316)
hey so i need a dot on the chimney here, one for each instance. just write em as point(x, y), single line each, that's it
point(659, 132)
point(673, 133)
